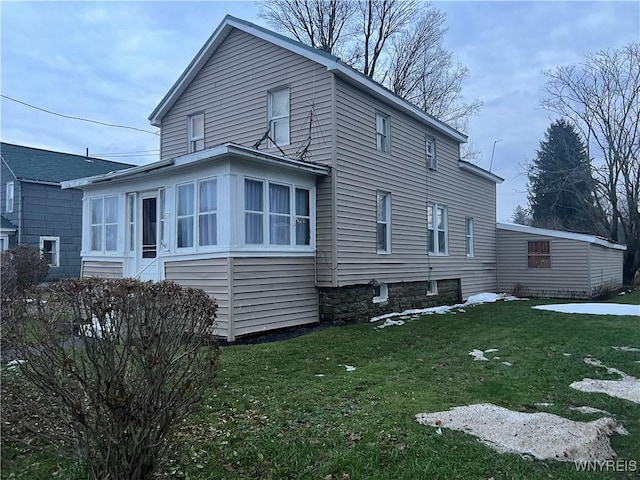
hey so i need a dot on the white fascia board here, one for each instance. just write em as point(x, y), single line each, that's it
point(481, 172)
point(580, 237)
point(116, 174)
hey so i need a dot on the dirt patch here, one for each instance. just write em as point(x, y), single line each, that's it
point(542, 435)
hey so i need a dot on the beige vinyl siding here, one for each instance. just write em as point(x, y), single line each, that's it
point(605, 266)
point(92, 268)
point(273, 293)
point(567, 277)
point(232, 90)
point(211, 275)
point(362, 170)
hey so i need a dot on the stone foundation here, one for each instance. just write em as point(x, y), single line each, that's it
point(354, 303)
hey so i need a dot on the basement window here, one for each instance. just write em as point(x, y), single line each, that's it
point(380, 293)
point(432, 289)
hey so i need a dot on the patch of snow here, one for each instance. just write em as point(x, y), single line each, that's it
point(507, 364)
point(566, 354)
point(627, 349)
point(543, 404)
point(597, 363)
point(588, 410)
point(472, 300)
point(627, 388)
point(389, 322)
point(496, 358)
point(350, 368)
point(13, 364)
point(319, 374)
point(491, 350)
point(593, 308)
point(542, 435)
point(97, 328)
point(478, 355)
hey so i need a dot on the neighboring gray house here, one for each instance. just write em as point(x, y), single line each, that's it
point(550, 263)
point(292, 188)
point(37, 212)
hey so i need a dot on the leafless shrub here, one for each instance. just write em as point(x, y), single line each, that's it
point(144, 360)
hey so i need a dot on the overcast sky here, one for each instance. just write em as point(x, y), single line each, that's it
point(113, 62)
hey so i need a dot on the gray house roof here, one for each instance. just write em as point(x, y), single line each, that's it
point(37, 165)
point(580, 237)
point(331, 62)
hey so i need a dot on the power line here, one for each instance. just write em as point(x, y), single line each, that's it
point(77, 118)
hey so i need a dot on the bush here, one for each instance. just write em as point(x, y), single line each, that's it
point(144, 360)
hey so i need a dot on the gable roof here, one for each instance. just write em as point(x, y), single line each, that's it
point(581, 237)
point(46, 166)
point(331, 62)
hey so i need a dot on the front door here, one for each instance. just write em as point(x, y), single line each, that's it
point(148, 264)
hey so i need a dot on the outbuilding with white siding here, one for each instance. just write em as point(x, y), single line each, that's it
point(551, 263)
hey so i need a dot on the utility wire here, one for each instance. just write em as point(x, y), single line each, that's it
point(77, 118)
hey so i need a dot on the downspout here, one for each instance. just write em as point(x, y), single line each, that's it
point(20, 222)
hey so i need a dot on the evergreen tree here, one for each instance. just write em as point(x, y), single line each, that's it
point(561, 189)
point(521, 216)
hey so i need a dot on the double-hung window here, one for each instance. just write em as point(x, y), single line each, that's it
point(196, 132)
point(9, 197)
point(131, 221)
point(279, 117)
point(207, 212)
point(383, 222)
point(103, 230)
point(468, 232)
point(432, 162)
point(186, 210)
point(437, 228)
point(276, 214)
point(50, 248)
point(383, 136)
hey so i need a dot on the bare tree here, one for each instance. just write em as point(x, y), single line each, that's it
point(398, 43)
point(602, 98)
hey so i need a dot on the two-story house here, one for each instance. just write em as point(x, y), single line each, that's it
point(292, 188)
point(37, 212)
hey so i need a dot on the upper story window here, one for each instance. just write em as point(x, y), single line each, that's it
point(205, 229)
point(432, 161)
point(9, 197)
point(196, 132)
point(539, 254)
point(383, 136)
point(468, 231)
point(289, 214)
point(438, 229)
point(383, 221)
point(279, 117)
point(103, 219)
point(50, 248)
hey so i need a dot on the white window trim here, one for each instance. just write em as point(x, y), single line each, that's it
point(193, 215)
point(266, 231)
point(57, 248)
point(272, 118)
point(430, 150)
point(387, 222)
point(103, 235)
point(384, 294)
point(207, 212)
point(192, 139)
point(469, 231)
point(131, 222)
point(386, 134)
point(434, 227)
point(432, 289)
point(4, 244)
point(9, 198)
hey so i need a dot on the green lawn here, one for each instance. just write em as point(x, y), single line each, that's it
point(270, 414)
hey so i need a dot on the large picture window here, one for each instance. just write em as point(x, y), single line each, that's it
point(288, 219)
point(438, 229)
point(539, 254)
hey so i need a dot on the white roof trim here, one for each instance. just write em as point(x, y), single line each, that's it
point(210, 153)
point(331, 63)
point(481, 172)
point(581, 237)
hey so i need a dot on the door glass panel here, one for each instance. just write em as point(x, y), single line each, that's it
point(149, 228)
